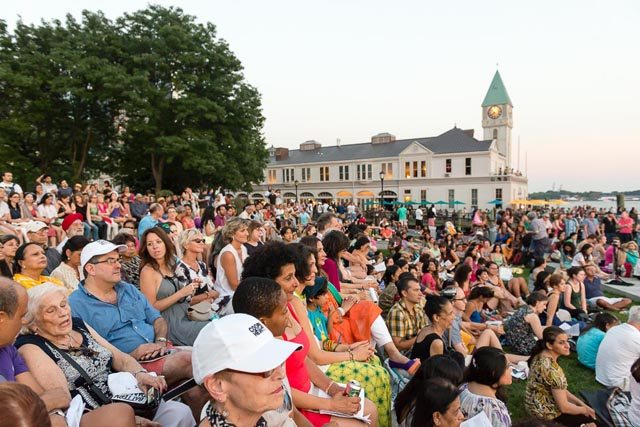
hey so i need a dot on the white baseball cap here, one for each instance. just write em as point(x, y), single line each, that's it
point(239, 342)
point(34, 226)
point(97, 248)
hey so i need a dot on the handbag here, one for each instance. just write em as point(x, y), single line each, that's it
point(201, 311)
point(144, 406)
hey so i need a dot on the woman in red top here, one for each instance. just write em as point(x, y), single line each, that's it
point(277, 261)
point(625, 224)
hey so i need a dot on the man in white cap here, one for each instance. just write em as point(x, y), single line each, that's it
point(244, 378)
point(122, 315)
point(36, 232)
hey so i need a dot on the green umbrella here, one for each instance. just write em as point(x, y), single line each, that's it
point(495, 202)
point(441, 202)
point(426, 202)
point(458, 202)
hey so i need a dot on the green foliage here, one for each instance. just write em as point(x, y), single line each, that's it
point(153, 98)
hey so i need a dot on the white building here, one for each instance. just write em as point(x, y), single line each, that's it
point(453, 166)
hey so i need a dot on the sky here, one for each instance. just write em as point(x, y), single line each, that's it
point(349, 69)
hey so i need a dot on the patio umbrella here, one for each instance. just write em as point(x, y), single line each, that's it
point(458, 202)
point(498, 202)
point(426, 202)
point(557, 202)
point(441, 202)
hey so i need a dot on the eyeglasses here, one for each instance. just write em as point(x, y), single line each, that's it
point(110, 261)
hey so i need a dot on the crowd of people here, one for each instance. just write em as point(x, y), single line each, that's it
point(288, 313)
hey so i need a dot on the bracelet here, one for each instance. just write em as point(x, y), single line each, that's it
point(135, 374)
point(329, 386)
point(350, 354)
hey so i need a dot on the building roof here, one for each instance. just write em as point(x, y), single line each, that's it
point(497, 93)
point(453, 141)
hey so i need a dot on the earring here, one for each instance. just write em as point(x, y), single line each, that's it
point(225, 413)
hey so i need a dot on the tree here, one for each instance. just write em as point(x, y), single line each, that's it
point(151, 95)
point(189, 110)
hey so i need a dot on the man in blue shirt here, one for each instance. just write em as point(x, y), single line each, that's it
point(151, 219)
point(595, 296)
point(122, 315)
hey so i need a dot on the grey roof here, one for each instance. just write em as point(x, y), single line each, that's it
point(453, 141)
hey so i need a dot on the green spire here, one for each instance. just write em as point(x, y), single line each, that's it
point(497, 93)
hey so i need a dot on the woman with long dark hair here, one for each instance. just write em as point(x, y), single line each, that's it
point(439, 366)
point(488, 373)
point(547, 395)
point(437, 404)
point(163, 290)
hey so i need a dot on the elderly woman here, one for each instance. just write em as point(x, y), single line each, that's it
point(245, 388)
point(162, 288)
point(69, 269)
point(52, 338)
point(190, 269)
point(229, 262)
point(29, 263)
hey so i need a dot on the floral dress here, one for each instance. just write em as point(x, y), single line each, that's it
point(518, 332)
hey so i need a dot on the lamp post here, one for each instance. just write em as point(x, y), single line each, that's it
point(382, 190)
point(296, 184)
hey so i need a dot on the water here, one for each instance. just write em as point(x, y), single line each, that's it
point(606, 204)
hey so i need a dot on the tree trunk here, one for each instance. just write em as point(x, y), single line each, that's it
point(84, 152)
point(157, 169)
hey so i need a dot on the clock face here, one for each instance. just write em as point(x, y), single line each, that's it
point(494, 112)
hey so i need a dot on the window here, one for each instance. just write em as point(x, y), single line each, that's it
point(369, 171)
point(452, 197)
point(387, 169)
point(306, 174)
point(283, 176)
point(288, 175)
point(407, 170)
point(467, 166)
point(415, 169)
point(447, 166)
point(423, 195)
point(474, 197)
point(499, 193)
point(343, 172)
point(407, 195)
point(495, 134)
point(423, 169)
point(324, 173)
point(273, 176)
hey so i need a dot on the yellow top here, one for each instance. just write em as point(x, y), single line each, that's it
point(28, 283)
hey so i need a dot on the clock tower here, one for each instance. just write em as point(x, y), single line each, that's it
point(497, 117)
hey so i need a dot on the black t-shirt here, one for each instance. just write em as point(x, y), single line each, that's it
point(609, 225)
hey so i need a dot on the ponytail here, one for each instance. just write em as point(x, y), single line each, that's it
point(549, 336)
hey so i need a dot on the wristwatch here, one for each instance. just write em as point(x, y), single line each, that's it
point(161, 339)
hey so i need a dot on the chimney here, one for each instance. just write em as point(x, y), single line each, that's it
point(282, 153)
point(383, 138)
point(338, 142)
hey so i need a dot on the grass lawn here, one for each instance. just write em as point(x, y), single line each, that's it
point(578, 376)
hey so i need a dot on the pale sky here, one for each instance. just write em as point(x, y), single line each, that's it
point(351, 69)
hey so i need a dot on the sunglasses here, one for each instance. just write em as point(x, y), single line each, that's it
point(265, 374)
point(198, 240)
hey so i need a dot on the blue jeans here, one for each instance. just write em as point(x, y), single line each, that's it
point(90, 231)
